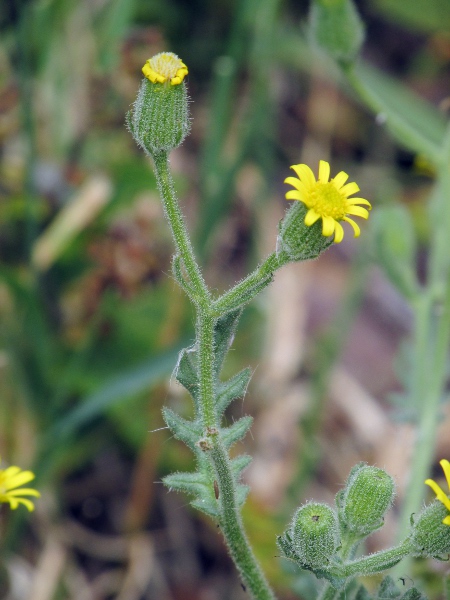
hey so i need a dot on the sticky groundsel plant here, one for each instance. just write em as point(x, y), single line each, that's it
point(321, 539)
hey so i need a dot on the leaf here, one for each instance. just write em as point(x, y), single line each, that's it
point(208, 506)
point(193, 483)
point(232, 389)
point(234, 433)
point(241, 494)
point(239, 463)
point(224, 331)
point(415, 123)
point(188, 432)
point(185, 372)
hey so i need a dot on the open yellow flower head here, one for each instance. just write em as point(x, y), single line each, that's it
point(165, 66)
point(327, 199)
point(440, 494)
point(11, 479)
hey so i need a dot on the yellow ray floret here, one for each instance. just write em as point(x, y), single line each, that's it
point(10, 491)
point(327, 199)
point(165, 66)
point(440, 494)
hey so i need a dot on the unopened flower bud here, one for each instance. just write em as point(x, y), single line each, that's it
point(315, 534)
point(430, 535)
point(366, 498)
point(159, 120)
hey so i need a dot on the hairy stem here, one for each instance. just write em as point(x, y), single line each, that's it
point(230, 518)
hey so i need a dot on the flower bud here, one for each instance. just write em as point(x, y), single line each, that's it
point(336, 26)
point(366, 498)
point(315, 534)
point(430, 536)
point(298, 240)
point(159, 119)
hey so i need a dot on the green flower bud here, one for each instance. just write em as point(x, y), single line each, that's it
point(300, 241)
point(315, 534)
point(430, 536)
point(159, 120)
point(368, 494)
point(336, 26)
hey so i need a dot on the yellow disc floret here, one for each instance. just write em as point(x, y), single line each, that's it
point(440, 494)
point(165, 66)
point(326, 199)
point(10, 491)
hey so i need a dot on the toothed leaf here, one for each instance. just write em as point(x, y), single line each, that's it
point(234, 433)
point(185, 372)
point(208, 506)
point(239, 463)
point(232, 389)
point(193, 483)
point(188, 432)
point(224, 331)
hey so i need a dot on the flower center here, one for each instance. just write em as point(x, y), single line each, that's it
point(327, 201)
point(166, 64)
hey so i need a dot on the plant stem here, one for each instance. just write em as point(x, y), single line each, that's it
point(230, 519)
point(233, 530)
point(374, 563)
point(177, 226)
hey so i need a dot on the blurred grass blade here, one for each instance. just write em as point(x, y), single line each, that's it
point(414, 122)
point(72, 219)
point(116, 390)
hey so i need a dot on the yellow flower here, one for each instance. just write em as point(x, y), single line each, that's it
point(165, 66)
point(440, 494)
point(327, 200)
point(10, 480)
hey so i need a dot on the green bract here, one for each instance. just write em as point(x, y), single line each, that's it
point(431, 537)
point(300, 241)
point(159, 120)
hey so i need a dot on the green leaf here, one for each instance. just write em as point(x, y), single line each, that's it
point(188, 432)
point(224, 331)
point(413, 121)
point(208, 506)
point(185, 372)
point(395, 245)
point(428, 16)
point(192, 483)
point(239, 463)
point(241, 494)
point(234, 433)
point(232, 389)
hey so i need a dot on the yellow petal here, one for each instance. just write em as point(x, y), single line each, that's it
point(349, 189)
point(324, 171)
point(17, 480)
point(358, 211)
point(305, 174)
point(26, 503)
point(297, 184)
point(293, 195)
point(446, 521)
point(446, 468)
point(359, 201)
point(355, 226)
point(23, 492)
point(440, 495)
point(311, 217)
point(338, 233)
point(339, 180)
point(328, 225)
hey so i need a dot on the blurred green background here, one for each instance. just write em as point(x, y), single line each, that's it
point(92, 321)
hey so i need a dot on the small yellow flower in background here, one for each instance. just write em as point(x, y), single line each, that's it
point(165, 66)
point(327, 200)
point(440, 494)
point(10, 491)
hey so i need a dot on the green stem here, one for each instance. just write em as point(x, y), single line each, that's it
point(374, 563)
point(228, 300)
point(178, 228)
point(230, 519)
point(233, 530)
